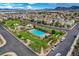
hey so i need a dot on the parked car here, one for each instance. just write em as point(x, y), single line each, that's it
point(63, 38)
point(58, 54)
point(74, 36)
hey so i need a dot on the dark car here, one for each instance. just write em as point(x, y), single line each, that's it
point(74, 36)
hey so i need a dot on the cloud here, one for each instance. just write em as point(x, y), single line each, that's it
point(11, 7)
point(6, 6)
point(29, 7)
point(31, 3)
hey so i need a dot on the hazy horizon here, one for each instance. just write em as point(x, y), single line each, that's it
point(36, 5)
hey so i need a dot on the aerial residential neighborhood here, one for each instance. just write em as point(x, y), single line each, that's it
point(39, 31)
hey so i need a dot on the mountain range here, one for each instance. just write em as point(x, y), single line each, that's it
point(67, 8)
point(57, 8)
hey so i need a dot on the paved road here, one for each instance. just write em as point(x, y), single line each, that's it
point(14, 45)
point(52, 27)
point(64, 47)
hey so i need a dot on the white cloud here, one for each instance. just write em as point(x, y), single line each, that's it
point(31, 3)
point(11, 7)
point(6, 6)
point(29, 7)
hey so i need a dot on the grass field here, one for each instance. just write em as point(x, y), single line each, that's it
point(12, 23)
point(36, 43)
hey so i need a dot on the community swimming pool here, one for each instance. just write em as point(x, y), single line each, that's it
point(37, 33)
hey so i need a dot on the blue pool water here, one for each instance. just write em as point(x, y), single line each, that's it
point(37, 33)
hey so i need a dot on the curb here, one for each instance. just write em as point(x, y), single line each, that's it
point(72, 47)
point(9, 53)
point(72, 26)
point(4, 41)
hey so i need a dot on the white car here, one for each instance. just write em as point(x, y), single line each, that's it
point(58, 54)
point(63, 38)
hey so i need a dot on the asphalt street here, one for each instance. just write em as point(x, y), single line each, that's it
point(48, 26)
point(64, 46)
point(14, 45)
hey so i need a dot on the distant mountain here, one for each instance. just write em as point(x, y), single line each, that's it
point(74, 7)
point(67, 8)
point(61, 8)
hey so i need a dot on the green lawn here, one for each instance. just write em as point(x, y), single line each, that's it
point(36, 42)
point(10, 23)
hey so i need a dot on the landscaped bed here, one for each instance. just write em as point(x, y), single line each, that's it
point(36, 43)
point(1, 42)
point(12, 23)
point(75, 51)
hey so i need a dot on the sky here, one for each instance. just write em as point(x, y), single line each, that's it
point(36, 5)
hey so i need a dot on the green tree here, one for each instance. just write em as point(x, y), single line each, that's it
point(53, 31)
